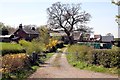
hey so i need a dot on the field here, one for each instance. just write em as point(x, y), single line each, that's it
point(7, 48)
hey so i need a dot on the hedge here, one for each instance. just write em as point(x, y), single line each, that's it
point(106, 57)
point(14, 51)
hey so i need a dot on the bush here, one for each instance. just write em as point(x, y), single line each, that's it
point(25, 43)
point(109, 58)
point(16, 66)
point(79, 52)
point(32, 46)
point(51, 47)
point(59, 44)
point(13, 62)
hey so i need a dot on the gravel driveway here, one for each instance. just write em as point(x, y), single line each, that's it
point(58, 67)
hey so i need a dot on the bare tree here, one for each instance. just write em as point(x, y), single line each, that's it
point(67, 17)
point(6, 29)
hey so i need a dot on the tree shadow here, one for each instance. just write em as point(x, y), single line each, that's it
point(45, 64)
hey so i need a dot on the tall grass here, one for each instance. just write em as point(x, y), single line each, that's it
point(79, 52)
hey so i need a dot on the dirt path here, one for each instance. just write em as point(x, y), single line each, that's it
point(58, 67)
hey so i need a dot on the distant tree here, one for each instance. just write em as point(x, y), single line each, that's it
point(118, 4)
point(27, 26)
point(109, 34)
point(33, 27)
point(43, 34)
point(67, 17)
point(1, 26)
point(10, 29)
point(4, 31)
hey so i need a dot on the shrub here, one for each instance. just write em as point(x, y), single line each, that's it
point(109, 58)
point(60, 44)
point(32, 46)
point(79, 52)
point(25, 43)
point(52, 45)
point(12, 62)
point(16, 66)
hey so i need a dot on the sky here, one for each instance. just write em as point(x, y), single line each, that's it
point(14, 12)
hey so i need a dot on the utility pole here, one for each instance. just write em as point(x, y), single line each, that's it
point(119, 21)
point(117, 2)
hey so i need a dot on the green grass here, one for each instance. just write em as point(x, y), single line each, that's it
point(7, 48)
point(10, 46)
point(48, 56)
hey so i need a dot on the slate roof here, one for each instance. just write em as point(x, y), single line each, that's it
point(30, 31)
point(107, 38)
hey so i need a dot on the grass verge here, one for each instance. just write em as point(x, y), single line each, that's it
point(48, 56)
point(95, 68)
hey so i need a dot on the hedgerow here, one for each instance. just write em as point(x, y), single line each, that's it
point(108, 58)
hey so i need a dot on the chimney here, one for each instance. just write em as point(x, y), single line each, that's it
point(20, 26)
point(33, 28)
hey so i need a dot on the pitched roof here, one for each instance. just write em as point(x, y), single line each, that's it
point(107, 38)
point(30, 31)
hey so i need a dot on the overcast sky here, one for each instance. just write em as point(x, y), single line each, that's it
point(14, 12)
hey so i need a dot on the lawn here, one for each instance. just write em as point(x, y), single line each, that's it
point(7, 48)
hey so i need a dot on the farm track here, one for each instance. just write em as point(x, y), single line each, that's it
point(58, 67)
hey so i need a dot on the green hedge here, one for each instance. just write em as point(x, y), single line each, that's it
point(106, 57)
point(4, 52)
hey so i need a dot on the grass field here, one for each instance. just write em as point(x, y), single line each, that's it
point(10, 48)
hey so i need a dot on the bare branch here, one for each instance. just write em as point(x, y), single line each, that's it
point(66, 16)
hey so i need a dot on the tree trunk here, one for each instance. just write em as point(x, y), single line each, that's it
point(70, 37)
point(71, 41)
point(118, 44)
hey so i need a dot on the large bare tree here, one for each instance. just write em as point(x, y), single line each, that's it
point(67, 17)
